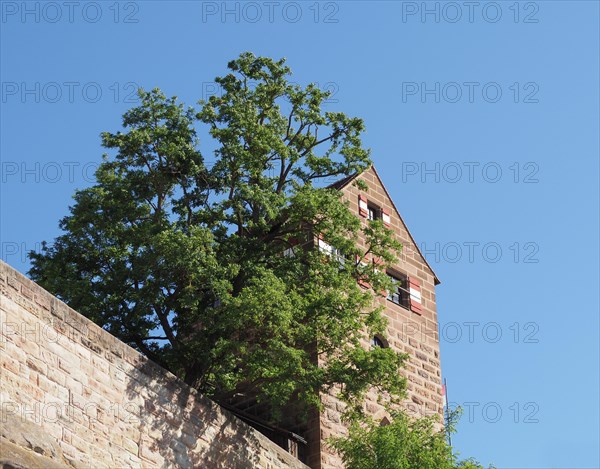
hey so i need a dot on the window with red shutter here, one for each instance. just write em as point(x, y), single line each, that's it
point(386, 217)
point(400, 294)
point(363, 206)
point(415, 295)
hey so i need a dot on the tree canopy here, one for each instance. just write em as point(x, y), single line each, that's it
point(206, 268)
point(405, 443)
point(211, 270)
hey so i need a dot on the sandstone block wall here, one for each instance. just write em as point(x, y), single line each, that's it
point(407, 332)
point(73, 394)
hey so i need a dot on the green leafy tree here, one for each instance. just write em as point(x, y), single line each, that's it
point(405, 443)
point(207, 269)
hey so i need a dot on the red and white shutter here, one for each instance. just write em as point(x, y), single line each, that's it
point(324, 246)
point(289, 252)
point(363, 265)
point(386, 217)
point(415, 295)
point(363, 206)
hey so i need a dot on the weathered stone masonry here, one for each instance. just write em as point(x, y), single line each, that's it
point(72, 395)
point(412, 330)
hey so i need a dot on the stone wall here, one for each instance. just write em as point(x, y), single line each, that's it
point(72, 395)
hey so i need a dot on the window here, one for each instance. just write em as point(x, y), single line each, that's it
point(377, 341)
point(400, 294)
point(292, 243)
point(340, 257)
point(336, 254)
point(373, 212)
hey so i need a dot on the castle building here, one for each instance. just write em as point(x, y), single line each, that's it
point(412, 324)
point(72, 395)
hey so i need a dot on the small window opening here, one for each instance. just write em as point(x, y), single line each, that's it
point(373, 212)
point(400, 294)
point(377, 341)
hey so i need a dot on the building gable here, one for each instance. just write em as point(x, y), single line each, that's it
point(377, 189)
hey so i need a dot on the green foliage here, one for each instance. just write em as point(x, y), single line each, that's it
point(404, 443)
point(183, 260)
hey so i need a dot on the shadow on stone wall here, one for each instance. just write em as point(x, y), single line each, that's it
point(181, 428)
point(24, 445)
point(83, 399)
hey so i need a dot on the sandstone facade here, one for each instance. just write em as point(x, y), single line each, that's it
point(412, 329)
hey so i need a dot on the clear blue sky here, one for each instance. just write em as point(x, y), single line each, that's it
point(513, 236)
